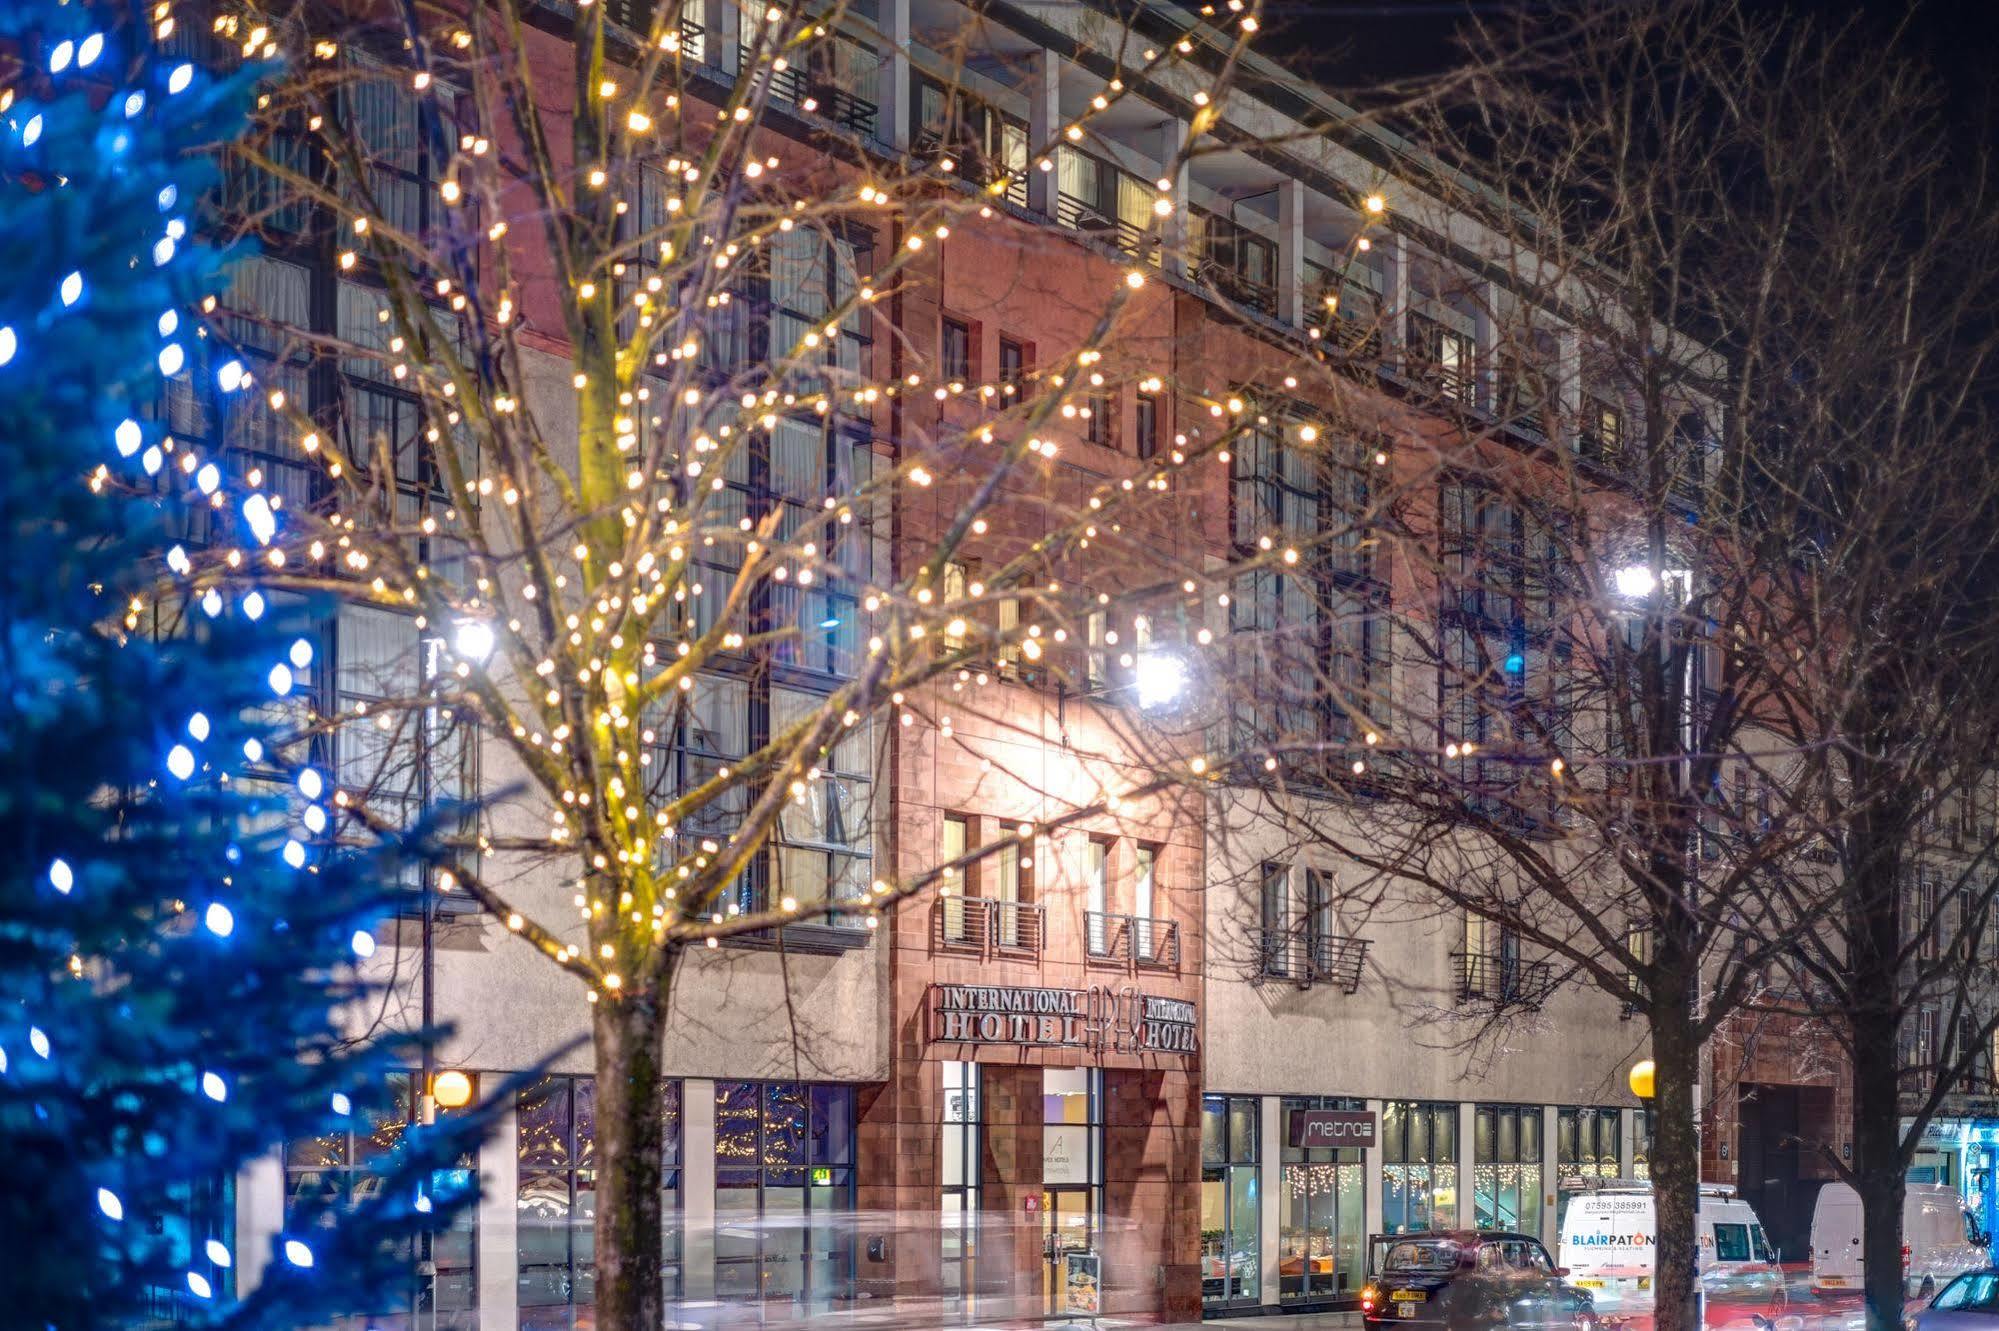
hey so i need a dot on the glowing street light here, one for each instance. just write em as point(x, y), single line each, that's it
point(1159, 679)
point(473, 640)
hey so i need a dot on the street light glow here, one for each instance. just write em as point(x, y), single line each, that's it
point(1159, 679)
point(473, 640)
point(1635, 582)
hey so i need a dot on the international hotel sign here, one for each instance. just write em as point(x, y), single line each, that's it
point(1099, 1018)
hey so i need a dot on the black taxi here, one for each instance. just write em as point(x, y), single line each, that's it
point(1469, 1280)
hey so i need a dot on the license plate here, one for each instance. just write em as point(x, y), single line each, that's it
point(1407, 1296)
point(1832, 1282)
point(1405, 1310)
point(1587, 1284)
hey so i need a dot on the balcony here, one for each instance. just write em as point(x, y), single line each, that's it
point(1334, 960)
point(1237, 287)
point(820, 93)
point(1133, 942)
point(1502, 981)
point(987, 927)
point(1087, 220)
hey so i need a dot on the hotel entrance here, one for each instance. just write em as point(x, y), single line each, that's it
point(1067, 1226)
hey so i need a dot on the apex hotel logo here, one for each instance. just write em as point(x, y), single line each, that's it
point(1098, 1018)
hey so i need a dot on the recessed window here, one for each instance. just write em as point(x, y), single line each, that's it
point(1145, 424)
point(956, 350)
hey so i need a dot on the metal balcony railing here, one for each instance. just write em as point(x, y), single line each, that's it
point(1504, 982)
point(989, 927)
point(1329, 959)
point(820, 94)
point(1237, 287)
point(1133, 941)
point(1086, 219)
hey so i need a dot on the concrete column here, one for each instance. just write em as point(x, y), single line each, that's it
point(697, 1186)
point(1568, 388)
point(1291, 252)
point(1372, 1220)
point(1270, 1177)
point(495, 1239)
point(1467, 1125)
point(893, 93)
point(1044, 116)
point(1549, 1192)
point(1627, 1141)
point(1394, 249)
point(1172, 136)
point(260, 1214)
point(721, 23)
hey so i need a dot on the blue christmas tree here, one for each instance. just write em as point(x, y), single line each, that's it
point(177, 937)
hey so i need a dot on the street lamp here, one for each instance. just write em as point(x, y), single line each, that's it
point(1643, 1078)
point(1159, 679)
point(473, 640)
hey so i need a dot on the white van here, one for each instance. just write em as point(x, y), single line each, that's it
point(1940, 1239)
point(1608, 1237)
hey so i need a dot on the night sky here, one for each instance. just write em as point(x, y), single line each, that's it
point(1351, 44)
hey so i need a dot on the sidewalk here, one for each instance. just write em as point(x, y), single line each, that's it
point(1339, 1321)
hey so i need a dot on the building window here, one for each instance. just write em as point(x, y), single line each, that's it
point(825, 841)
point(1321, 1217)
point(1441, 356)
point(1012, 365)
point(784, 1188)
point(1097, 888)
point(556, 1200)
point(956, 350)
point(1231, 1216)
point(1506, 1168)
point(959, 1176)
point(1601, 438)
point(1145, 424)
point(342, 1168)
point(1641, 1142)
point(1099, 420)
point(954, 843)
point(1274, 919)
point(1419, 1171)
point(1145, 900)
point(1303, 635)
point(1586, 1148)
point(1012, 889)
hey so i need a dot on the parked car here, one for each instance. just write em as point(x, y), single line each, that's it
point(1609, 1236)
point(1941, 1240)
point(1459, 1280)
point(1968, 1303)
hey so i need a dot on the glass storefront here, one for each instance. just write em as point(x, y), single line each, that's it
point(344, 1168)
point(959, 1177)
point(1072, 1129)
point(1586, 1147)
point(784, 1192)
point(556, 1201)
point(1506, 1168)
point(1231, 1216)
point(1321, 1218)
point(1419, 1170)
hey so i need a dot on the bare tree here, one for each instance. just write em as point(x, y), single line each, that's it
point(1605, 739)
point(612, 407)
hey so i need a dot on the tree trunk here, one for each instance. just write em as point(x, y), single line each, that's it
point(1675, 1166)
point(629, 1033)
point(1878, 1001)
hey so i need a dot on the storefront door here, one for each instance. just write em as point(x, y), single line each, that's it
point(1066, 1229)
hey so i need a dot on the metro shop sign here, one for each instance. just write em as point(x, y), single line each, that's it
point(1099, 1018)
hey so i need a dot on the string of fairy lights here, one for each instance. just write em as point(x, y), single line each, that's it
point(654, 573)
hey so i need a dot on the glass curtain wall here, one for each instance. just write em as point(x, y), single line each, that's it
point(1506, 1168)
point(959, 1176)
point(784, 1186)
point(1322, 1221)
point(1419, 1170)
point(1231, 1216)
point(1586, 1142)
point(556, 1201)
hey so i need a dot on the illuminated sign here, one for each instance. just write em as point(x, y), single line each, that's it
point(1320, 1129)
point(1098, 1018)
